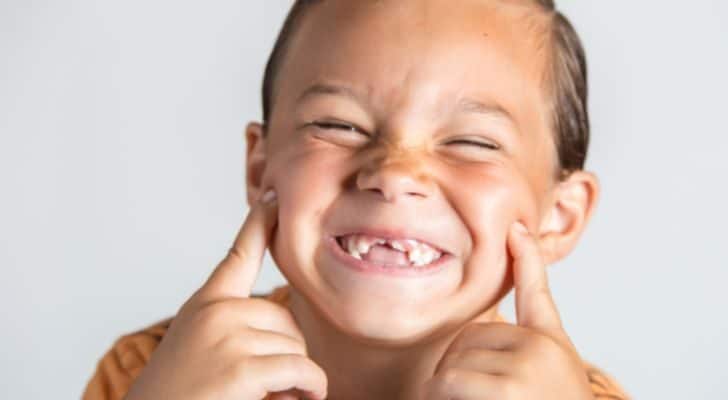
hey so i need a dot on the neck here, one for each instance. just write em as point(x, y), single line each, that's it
point(363, 371)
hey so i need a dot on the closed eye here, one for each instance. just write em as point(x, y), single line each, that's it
point(338, 133)
point(485, 145)
point(338, 126)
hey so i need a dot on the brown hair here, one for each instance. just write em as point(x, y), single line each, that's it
point(566, 79)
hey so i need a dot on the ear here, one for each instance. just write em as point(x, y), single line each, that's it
point(571, 206)
point(254, 160)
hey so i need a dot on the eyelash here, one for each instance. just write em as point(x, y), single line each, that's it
point(338, 125)
point(484, 145)
point(348, 127)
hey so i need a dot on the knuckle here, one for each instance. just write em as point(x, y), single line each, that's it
point(548, 350)
point(234, 344)
point(212, 316)
point(295, 364)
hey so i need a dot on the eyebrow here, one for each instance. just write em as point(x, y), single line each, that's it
point(329, 89)
point(478, 107)
point(467, 104)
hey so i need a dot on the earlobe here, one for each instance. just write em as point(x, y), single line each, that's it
point(255, 160)
point(571, 208)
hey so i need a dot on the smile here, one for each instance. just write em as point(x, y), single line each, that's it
point(400, 253)
point(391, 256)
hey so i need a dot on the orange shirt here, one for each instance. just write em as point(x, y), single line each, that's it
point(118, 368)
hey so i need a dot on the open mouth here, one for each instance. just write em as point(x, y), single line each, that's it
point(390, 253)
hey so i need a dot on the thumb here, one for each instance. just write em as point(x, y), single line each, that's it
point(237, 272)
point(535, 306)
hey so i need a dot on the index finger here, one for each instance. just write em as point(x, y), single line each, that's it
point(535, 305)
point(236, 273)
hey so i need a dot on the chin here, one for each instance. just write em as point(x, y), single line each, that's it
point(383, 324)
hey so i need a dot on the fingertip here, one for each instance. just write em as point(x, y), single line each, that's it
point(516, 235)
point(268, 197)
point(270, 202)
point(235, 275)
point(520, 228)
point(266, 209)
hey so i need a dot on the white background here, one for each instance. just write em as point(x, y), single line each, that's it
point(121, 181)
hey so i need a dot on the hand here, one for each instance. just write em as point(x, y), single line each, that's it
point(534, 359)
point(222, 344)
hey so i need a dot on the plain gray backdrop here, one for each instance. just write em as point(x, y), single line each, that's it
point(121, 181)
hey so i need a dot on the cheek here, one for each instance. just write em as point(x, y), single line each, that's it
point(297, 176)
point(304, 194)
point(305, 169)
point(489, 200)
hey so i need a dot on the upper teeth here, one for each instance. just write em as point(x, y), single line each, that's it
point(418, 253)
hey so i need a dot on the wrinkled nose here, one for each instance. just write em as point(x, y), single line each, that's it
point(395, 179)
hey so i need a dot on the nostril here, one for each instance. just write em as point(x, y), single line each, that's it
point(393, 181)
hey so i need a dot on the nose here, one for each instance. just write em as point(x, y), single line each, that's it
point(395, 179)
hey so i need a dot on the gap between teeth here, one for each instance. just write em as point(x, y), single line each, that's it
point(419, 255)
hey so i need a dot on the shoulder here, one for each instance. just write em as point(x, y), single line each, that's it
point(122, 363)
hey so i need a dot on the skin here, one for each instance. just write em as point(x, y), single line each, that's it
point(249, 347)
point(409, 66)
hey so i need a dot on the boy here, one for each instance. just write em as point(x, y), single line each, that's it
point(417, 159)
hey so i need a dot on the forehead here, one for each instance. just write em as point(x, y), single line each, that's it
point(424, 54)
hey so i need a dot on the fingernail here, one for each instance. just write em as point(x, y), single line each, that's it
point(268, 196)
point(520, 228)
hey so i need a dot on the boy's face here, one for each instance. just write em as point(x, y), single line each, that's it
point(452, 146)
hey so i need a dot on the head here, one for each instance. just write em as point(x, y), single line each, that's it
point(415, 118)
